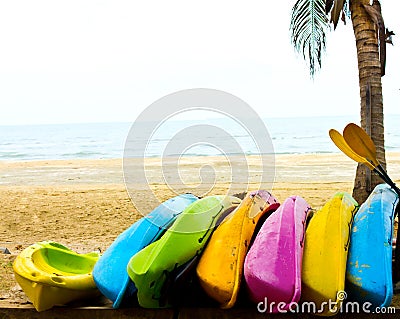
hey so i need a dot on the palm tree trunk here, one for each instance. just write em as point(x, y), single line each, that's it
point(370, 92)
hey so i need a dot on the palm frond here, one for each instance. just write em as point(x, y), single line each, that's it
point(375, 12)
point(328, 5)
point(346, 10)
point(336, 11)
point(308, 27)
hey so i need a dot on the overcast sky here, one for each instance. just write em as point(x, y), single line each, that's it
point(96, 61)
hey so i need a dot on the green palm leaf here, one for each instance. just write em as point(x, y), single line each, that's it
point(308, 26)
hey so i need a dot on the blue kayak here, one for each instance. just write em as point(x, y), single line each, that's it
point(109, 273)
point(369, 264)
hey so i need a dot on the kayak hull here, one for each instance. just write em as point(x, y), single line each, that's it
point(220, 267)
point(325, 254)
point(153, 268)
point(272, 269)
point(51, 274)
point(110, 273)
point(369, 266)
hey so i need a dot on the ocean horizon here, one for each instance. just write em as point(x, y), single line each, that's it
point(107, 140)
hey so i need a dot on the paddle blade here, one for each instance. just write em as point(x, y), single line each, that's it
point(360, 142)
point(341, 144)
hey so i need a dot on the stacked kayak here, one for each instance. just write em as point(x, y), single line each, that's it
point(369, 266)
point(272, 269)
point(325, 254)
point(214, 242)
point(110, 274)
point(220, 267)
point(155, 268)
point(51, 274)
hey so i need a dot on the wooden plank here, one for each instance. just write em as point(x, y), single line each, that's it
point(8, 311)
point(252, 313)
point(235, 313)
point(28, 311)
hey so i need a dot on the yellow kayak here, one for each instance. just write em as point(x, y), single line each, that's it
point(220, 267)
point(325, 255)
point(51, 274)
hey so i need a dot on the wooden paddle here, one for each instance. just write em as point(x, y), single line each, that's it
point(361, 144)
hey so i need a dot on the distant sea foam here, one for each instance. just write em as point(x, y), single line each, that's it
point(107, 140)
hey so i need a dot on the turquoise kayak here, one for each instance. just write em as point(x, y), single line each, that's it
point(110, 273)
point(155, 268)
point(369, 265)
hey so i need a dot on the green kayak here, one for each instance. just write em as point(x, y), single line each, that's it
point(154, 268)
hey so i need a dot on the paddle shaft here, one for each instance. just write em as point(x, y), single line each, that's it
point(382, 173)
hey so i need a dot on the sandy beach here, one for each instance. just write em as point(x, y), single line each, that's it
point(84, 203)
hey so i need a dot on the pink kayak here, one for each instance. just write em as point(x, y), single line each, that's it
point(272, 268)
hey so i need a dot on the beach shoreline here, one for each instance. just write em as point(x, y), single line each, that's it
point(85, 205)
point(80, 191)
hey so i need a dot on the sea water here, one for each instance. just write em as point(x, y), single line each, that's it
point(107, 140)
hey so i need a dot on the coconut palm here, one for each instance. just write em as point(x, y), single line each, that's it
point(311, 19)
